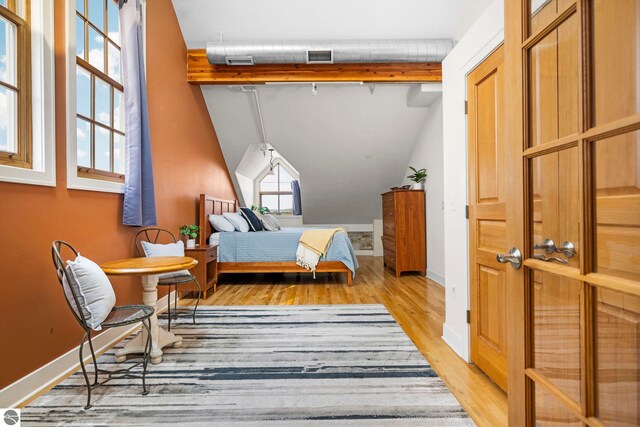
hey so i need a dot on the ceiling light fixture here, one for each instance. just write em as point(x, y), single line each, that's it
point(271, 171)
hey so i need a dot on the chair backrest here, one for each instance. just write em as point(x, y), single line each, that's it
point(60, 248)
point(152, 235)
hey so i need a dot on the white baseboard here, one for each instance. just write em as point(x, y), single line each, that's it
point(363, 252)
point(439, 279)
point(21, 391)
point(456, 343)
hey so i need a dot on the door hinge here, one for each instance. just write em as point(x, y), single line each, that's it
point(466, 211)
point(469, 316)
point(466, 107)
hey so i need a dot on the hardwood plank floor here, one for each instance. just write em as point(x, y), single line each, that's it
point(416, 303)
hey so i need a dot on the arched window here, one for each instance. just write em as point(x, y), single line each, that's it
point(275, 190)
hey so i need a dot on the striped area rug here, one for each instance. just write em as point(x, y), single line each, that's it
point(326, 365)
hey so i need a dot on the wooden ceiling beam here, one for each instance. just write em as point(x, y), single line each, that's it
point(201, 72)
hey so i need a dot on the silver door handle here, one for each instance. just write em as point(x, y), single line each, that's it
point(514, 257)
point(550, 259)
point(568, 249)
point(548, 245)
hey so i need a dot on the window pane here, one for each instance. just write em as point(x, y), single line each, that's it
point(8, 52)
point(270, 202)
point(83, 91)
point(83, 136)
point(3, 3)
point(617, 215)
point(96, 13)
point(286, 203)
point(285, 178)
point(118, 153)
point(103, 102)
point(96, 49)
point(114, 22)
point(80, 38)
point(118, 110)
point(618, 361)
point(551, 412)
point(114, 62)
point(268, 186)
point(103, 149)
point(80, 6)
point(8, 120)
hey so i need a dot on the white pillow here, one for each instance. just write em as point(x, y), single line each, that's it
point(220, 223)
point(93, 289)
point(170, 249)
point(238, 221)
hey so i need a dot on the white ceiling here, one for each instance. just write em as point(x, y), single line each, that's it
point(203, 20)
point(347, 144)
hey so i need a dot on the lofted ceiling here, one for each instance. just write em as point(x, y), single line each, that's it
point(348, 144)
point(203, 20)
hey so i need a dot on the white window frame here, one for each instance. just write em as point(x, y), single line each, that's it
point(43, 169)
point(265, 172)
point(74, 181)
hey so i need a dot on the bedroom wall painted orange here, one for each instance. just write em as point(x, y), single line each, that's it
point(35, 323)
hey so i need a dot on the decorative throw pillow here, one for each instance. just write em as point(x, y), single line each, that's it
point(170, 249)
point(252, 219)
point(238, 221)
point(269, 222)
point(93, 289)
point(220, 223)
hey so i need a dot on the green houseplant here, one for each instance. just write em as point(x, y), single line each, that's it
point(191, 232)
point(260, 209)
point(418, 176)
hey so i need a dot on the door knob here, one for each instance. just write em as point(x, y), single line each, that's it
point(548, 245)
point(514, 257)
point(568, 249)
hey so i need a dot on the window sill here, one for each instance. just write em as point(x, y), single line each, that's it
point(28, 176)
point(87, 184)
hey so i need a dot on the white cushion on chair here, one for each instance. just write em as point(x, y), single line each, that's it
point(93, 289)
point(238, 221)
point(170, 249)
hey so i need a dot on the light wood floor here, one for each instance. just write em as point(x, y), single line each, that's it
point(416, 303)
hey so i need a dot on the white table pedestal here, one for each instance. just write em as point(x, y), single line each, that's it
point(159, 337)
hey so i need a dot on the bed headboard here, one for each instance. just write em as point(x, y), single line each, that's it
point(211, 205)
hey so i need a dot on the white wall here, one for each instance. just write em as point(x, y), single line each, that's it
point(481, 39)
point(427, 153)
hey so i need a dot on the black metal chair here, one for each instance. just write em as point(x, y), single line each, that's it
point(162, 236)
point(119, 316)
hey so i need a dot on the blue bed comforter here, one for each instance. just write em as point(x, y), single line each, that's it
point(267, 246)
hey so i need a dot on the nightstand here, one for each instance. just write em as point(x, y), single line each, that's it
point(206, 271)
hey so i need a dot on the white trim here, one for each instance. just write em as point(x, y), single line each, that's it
point(436, 277)
point(43, 171)
point(45, 377)
point(73, 180)
point(363, 252)
point(456, 342)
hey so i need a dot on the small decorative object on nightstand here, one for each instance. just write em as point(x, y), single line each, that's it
point(191, 233)
point(207, 269)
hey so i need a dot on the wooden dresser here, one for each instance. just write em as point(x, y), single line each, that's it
point(403, 231)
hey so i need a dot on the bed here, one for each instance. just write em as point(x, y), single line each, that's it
point(267, 251)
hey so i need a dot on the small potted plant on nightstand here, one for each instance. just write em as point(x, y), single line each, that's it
point(191, 232)
point(418, 177)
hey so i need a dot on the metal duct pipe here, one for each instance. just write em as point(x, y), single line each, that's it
point(341, 51)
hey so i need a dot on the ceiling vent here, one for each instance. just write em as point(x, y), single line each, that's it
point(239, 60)
point(320, 56)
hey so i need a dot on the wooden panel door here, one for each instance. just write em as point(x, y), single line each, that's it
point(485, 98)
point(572, 69)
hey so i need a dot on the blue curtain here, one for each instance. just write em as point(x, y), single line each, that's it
point(297, 203)
point(139, 199)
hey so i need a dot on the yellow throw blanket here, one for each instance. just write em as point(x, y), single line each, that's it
point(314, 244)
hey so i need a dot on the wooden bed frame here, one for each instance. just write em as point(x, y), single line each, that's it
point(211, 205)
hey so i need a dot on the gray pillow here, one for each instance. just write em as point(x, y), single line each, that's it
point(269, 222)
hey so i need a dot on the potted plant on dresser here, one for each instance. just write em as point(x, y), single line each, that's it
point(418, 176)
point(191, 233)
